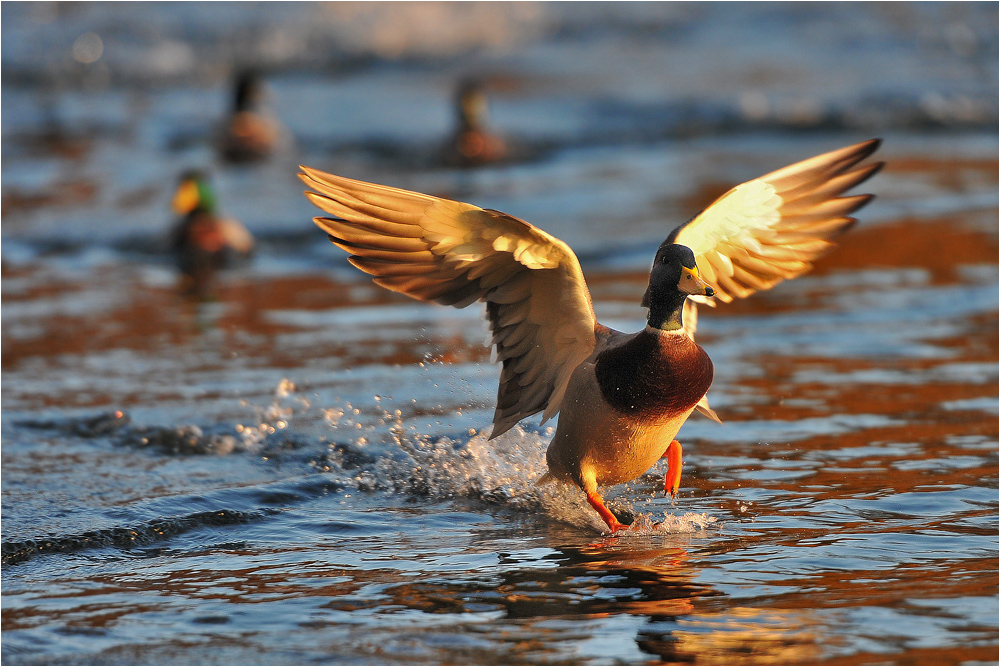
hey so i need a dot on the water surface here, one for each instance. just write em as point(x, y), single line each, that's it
point(297, 471)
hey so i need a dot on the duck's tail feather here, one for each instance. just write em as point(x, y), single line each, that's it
point(703, 408)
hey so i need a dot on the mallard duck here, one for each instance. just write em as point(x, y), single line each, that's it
point(249, 134)
point(621, 397)
point(203, 241)
point(473, 144)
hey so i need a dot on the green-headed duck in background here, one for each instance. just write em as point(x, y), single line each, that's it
point(203, 241)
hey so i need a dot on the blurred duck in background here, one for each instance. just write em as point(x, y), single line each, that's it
point(251, 134)
point(473, 144)
point(204, 242)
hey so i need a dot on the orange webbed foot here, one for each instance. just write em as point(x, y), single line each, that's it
point(674, 457)
point(597, 503)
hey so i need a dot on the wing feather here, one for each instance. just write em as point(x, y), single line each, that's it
point(772, 228)
point(819, 191)
point(454, 253)
point(399, 224)
point(381, 267)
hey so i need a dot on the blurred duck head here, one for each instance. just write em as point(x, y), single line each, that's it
point(473, 108)
point(193, 194)
point(249, 92)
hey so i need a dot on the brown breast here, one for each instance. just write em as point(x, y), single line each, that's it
point(653, 376)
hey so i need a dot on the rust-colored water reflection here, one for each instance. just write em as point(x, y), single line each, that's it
point(297, 469)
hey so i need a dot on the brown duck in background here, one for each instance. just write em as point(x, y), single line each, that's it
point(204, 242)
point(621, 397)
point(473, 144)
point(250, 135)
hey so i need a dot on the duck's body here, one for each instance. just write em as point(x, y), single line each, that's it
point(624, 403)
point(621, 398)
point(643, 386)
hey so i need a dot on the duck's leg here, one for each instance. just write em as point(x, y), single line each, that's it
point(595, 500)
point(673, 455)
point(588, 482)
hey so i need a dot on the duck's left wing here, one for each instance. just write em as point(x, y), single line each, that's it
point(440, 250)
point(773, 227)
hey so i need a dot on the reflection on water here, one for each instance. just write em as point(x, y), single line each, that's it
point(842, 481)
point(297, 470)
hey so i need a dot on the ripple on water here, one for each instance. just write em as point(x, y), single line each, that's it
point(306, 478)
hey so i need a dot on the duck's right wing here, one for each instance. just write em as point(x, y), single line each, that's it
point(453, 253)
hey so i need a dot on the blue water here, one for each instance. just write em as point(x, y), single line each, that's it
point(297, 470)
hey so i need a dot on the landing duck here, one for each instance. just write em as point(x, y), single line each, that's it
point(621, 397)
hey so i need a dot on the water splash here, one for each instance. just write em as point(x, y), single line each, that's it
point(384, 451)
point(689, 522)
point(502, 472)
point(274, 417)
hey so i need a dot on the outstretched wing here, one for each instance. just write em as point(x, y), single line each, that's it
point(453, 253)
point(773, 227)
